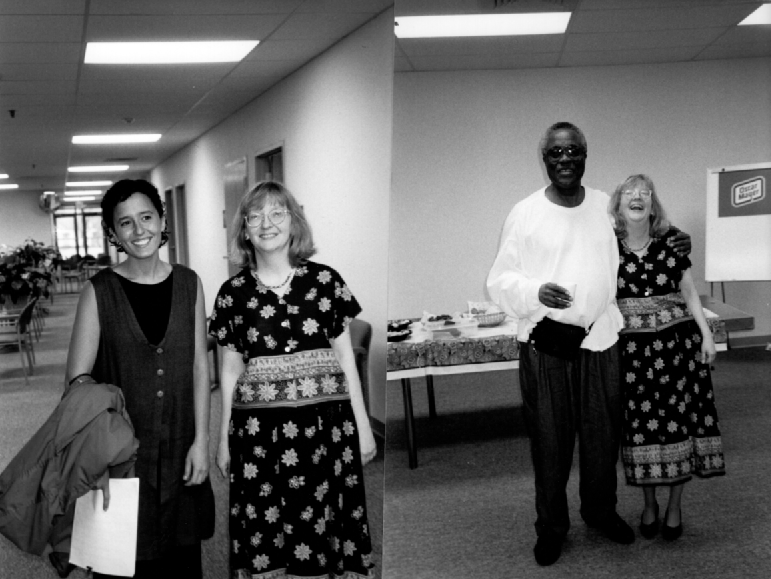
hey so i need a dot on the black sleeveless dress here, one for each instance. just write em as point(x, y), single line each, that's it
point(157, 382)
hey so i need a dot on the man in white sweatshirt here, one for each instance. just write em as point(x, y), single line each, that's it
point(558, 260)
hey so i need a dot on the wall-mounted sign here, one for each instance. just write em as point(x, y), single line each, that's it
point(738, 224)
point(742, 193)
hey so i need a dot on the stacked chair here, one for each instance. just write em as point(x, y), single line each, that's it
point(17, 327)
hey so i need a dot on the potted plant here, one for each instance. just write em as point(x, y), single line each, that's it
point(25, 270)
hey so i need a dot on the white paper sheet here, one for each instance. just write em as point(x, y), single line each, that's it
point(106, 541)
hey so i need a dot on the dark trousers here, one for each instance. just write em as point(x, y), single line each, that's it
point(561, 399)
point(183, 562)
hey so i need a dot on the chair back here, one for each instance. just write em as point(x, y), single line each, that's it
point(361, 338)
point(26, 314)
point(361, 335)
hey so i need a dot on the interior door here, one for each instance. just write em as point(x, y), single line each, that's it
point(236, 182)
point(269, 166)
point(171, 225)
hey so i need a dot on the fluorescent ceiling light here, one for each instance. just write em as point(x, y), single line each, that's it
point(49, 192)
point(168, 52)
point(3, 175)
point(9, 186)
point(113, 139)
point(88, 183)
point(97, 168)
point(761, 16)
point(482, 25)
point(87, 198)
point(83, 192)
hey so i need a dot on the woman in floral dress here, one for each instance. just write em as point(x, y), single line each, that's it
point(295, 432)
point(671, 427)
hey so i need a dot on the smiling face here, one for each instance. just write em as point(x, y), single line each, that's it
point(267, 235)
point(635, 203)
point(565, 171)
point(138, 226)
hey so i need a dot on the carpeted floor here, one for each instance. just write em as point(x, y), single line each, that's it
point(468, 510)
point(23, 408)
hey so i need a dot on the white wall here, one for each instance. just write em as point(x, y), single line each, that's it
point(21, 218)
point(466, 149)
point(334, 120)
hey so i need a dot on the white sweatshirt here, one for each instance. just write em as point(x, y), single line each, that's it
point(543, 242)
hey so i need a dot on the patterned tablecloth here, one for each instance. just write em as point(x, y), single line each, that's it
point(497, 344)
point(484, 345)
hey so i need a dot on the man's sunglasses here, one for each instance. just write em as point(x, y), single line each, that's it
point(574, 152)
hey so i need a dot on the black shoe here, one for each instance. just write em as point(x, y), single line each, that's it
point(547, 549)
point(615, 529)
point(651, 529)
point(671, 533)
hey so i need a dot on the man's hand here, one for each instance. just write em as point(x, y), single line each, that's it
point(554, 296)
point(103, 484)
point(196, 464)
point(681, 242)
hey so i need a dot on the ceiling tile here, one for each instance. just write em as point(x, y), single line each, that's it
point(37, 87)
point(657, 19)
point(195, 7)
point(42, 7)
point(273, 49)
point(35, 52)
point(626, 4)
point(324, 25)
point(640, 40)
point(735, 51)
point(181, 27)
point(41, 71)
point(487, 45)
point(41, 28)
point(485, 62)
point(616, 57)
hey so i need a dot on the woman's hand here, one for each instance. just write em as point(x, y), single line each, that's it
point(367, 445)
point(708, 350)
point(196, 464)
point(223, 458)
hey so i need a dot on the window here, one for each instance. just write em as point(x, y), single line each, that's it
point(79, 231)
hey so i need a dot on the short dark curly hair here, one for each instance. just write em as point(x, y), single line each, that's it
point(118, 193)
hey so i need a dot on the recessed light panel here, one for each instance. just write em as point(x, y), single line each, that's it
point(82, 192)
point(115, 139)
point(168, 52)
point(88, 183)
point(761, 16)
point(481, 25)
point(9, 186)
point(97, 168)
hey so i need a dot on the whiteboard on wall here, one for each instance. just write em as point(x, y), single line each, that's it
point(738, 223)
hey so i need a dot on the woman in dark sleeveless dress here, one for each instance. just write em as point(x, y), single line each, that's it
point(294, 432)
point(141, 326)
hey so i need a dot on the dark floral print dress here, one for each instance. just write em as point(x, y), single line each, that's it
point(671, 428)
point(297, 501)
